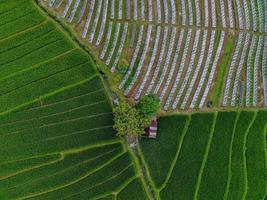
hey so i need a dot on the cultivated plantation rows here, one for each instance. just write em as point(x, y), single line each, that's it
point(56, 135)
point(208, 156)
point(187, 52)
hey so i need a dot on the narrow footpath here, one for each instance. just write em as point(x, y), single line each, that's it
point(141, 167)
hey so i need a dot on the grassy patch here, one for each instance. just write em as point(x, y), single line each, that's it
point(222, 72)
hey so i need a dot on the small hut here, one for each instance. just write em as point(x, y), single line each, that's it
point(151, 130)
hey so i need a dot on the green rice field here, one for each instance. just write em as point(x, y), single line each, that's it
point(217, 156)
point(56, 135)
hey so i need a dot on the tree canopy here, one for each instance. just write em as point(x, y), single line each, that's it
point(149, 106)
point(128, 120)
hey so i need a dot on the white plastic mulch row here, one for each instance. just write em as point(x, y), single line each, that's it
point(231, 69)
point(141, 62)
point(160, 59)
point(181, 68)
point(134, 57)
point(119, 52)
point(239, 70)
point(173, 65)
point(107, 40)
point(167, 61)
point(103, 23)
point(213, 70)
point(205, 70)
point(189, 70)
point(74, 10)
point(95, 22)
point(151, 63)
point(196, 71)
point(264, 71)
point(88, 20)
point(248, 71)
point(114, 43)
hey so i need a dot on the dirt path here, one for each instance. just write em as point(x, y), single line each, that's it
point(141, 167)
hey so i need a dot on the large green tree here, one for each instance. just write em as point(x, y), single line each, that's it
point(128, 120)
point(149, 106)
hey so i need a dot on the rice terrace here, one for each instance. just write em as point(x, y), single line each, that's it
point(133, 99)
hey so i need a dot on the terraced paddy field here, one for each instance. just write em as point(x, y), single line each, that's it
point(56, 135)
point(57, 140)
point(193, 54)
point(208, 156)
